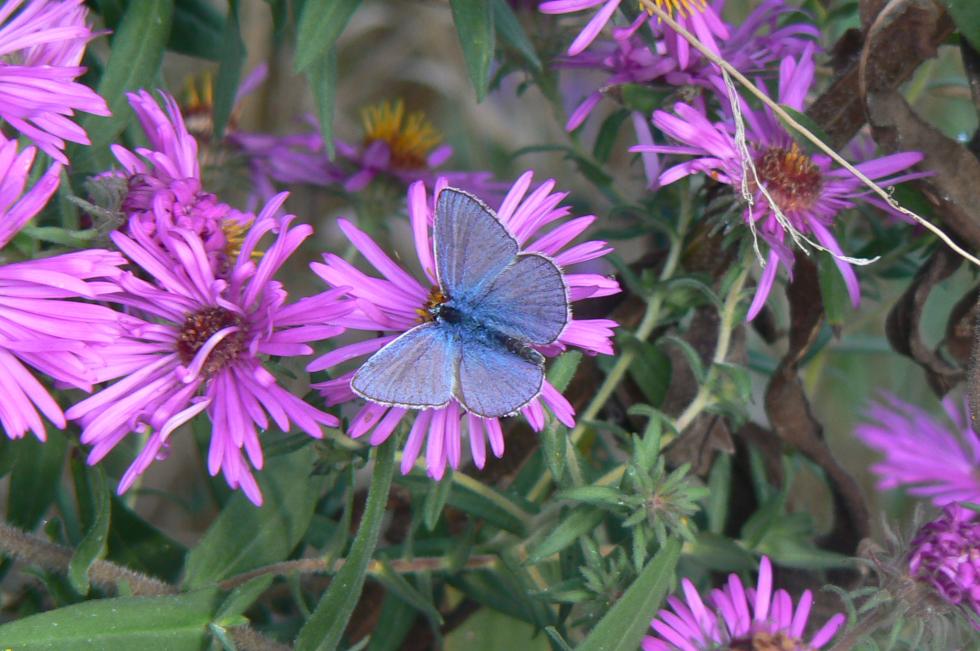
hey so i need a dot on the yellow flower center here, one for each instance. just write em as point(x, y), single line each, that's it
point(767, 642)
point(410, 137)
point(790, 176)
point(435, 299)
point(201, 326)
point(197, 104)
point(235, 232)
point(683, 7)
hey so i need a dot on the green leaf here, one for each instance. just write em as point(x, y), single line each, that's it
point(93, 546)
point(623, 627)
point(169, 623)
point(651, 371)
point(596, 495)
point(323, 81)
point(511, 31)
point(398, 585)
point(641, 98)
point(140, 546)
point(579, 521)
point(554, 443)
point(495, 507)
point(398, 618)
point(137, 50)
point(35, 478)
point(719, 482)
point(563, 369)
point(229, 71)
point(605, 141)
point(474, 24)
point(966, 15)
point(833, 290)
point(326, 625)
point(435, 501)
point(320, 23)
point(244, 536)
point(197, 30)
point(241, 598)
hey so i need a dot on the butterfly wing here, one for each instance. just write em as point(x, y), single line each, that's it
point(472, 247)
point(493, 381)
point(526, 301)
point(416, 370)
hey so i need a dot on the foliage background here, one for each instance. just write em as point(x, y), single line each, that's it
point(180, 526)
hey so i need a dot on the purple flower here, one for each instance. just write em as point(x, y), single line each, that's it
point(740, 618)
point(41, 47)
point(945, 554)
point(694, 15)
point(808, 190)
point(39, 326)
point(391, 304)
point(202, 348)
point(164, 188)
point(921, 453)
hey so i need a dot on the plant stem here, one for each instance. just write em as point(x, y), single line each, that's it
point(652, 8)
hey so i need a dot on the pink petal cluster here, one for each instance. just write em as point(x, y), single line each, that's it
point(40, 325)
point(759, 618)
point(810, 192)
point(921, 454)
point(390, 303)
point(41, 48)
point(200, 345)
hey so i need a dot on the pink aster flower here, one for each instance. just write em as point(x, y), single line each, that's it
point(39, 325)
point(809, 191)
point(739, 618)
point(929, 458)
point(41, 47)
point(391, 304)
point(202, 348)
point(696, 16)
point(945, 554)
point(164, 187)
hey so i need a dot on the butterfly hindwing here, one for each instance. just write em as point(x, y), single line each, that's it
point(526, 301)
point(472, 247)
point(494, 381)
point(417, 369)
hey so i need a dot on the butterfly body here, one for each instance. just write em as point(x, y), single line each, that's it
point(493, 305)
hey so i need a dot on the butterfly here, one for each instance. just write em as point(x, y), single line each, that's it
point(493, 305)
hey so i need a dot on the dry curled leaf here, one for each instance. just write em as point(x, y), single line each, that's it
point(902, 327)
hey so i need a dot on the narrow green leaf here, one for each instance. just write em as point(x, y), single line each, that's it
point(435, 501)
point(496, 508)
point(244, 536)
point(652, 370)
point(563, 369)
point(241, 598)
point(398, 585)
point(806, 122)
point(398, 618)
point(719, 482)
point(320, 23)
point(137, 50)
point(197, 30)
point(605, 140)
point(140, 546)
point(554, 442)
point(833, 290)
point(170, 623)
point(474, 24)
point(323, 81)
point(35, 478)
point(326, 625)
point(623, 627)
point(229, 71)
point(966, 15)
point(579, 521)
point(512, 32)
point(93, 546)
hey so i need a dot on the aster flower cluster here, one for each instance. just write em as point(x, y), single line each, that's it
point(792, 198)
point(945, 554)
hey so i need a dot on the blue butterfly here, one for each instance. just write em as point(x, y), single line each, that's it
point(493, 305)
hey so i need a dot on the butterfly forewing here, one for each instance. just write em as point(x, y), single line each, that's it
point(526, 301)
point(493, 381)
point(472, 247)
point(416, 370)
